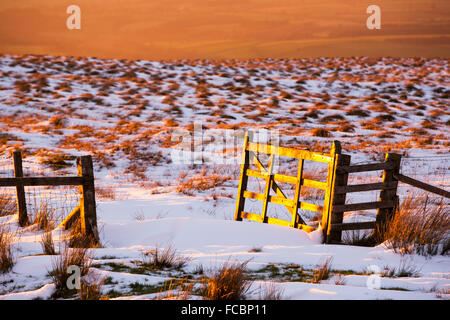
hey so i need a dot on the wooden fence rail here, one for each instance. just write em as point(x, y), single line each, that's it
point(42, 181)
point(388, 200)
point(336, 189)
point(86, 210)
point(422, 185)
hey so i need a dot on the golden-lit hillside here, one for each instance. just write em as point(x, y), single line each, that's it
point(141, 29)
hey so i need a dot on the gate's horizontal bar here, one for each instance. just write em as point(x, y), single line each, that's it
point(284, 201)
point(289, 152)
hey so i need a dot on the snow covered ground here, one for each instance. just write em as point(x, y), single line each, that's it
point(210, 242)
point(124, 113)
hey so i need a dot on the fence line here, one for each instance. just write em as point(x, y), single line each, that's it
point(84, 180)
point(336, 189)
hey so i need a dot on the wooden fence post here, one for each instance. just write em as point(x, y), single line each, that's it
point(243, 178)
point(340, 180)
point(20, 190)
point(327, 205)
point(385, 214)
point(88, 212)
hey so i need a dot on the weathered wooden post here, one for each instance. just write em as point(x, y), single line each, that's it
point(88, 212)
point(340, 180)
point(387, 195)
point(243, 179)
point(20, 190)
point(328, 202)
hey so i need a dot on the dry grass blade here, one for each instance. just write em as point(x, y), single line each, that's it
point(48, 247)
point(8, 204)
point(77, 239)
point(358, 238)
point(227, 283)
point(418, 226)
point(406, 269)
point(45, 217)
point(177, 290)
point(105, 193)
point(322, 271)
point(6, 254)
point(201, 183)
point(91, 288)
point(163, 258)
point(79, 257)
point(270, 292)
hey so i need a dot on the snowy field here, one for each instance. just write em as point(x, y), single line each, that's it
point(126, 114)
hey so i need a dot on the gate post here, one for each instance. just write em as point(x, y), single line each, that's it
point(386, 214)
point(340, 180)
point(20, 190)
point(336, 149)
point(88, 212)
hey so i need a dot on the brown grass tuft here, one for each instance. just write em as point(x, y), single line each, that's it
point(91, 288)
point(201, 183)
point(77, 239)
point(346, 128)
point(8, 204)
point(358, 238)
point(48, 247)
point(58, 121)
point(322, 270)
point(419, 226)
point(227, 283)
point(320, 132)
point(270, 292)
point(57, 161)
point(44, 217)
point(163, 258)
point(79, 257)
point(406, 269)
point(105, 193)
point(176, 290)
point(6, 254)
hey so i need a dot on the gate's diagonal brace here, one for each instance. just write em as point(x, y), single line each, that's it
point(275, 186)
